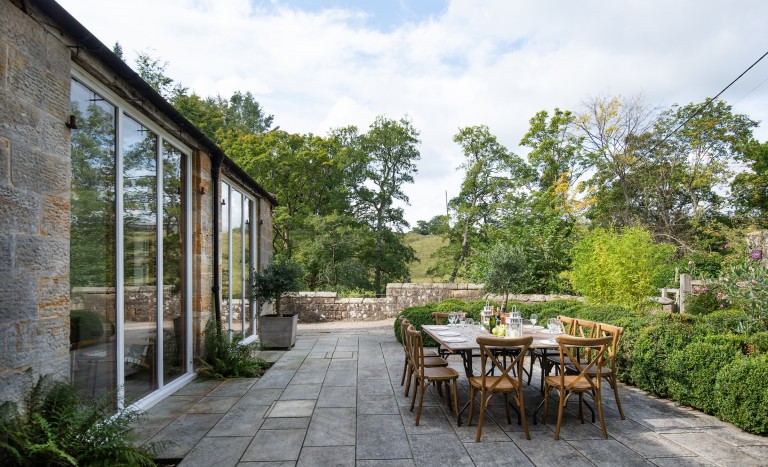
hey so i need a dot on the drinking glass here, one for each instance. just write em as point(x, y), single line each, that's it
point(533, 319)
point(453, 318)
point(462, 321)
point(554, 325)
point(471, 323)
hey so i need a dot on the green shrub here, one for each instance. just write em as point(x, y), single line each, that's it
point(725, 321)
point(633, 325)
point(692, 373)
point(623, 268)
point(57, 425)
point(452, 304)
point(742, 389)
point(705, 299)
point(225, 358)
point(417, 316)
point(653, 348)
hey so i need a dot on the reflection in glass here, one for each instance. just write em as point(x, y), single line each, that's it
point(245, 300)
point(139, 257)
point(92, 243)
point(225, 306)
point(235, 285)
point(173, 293)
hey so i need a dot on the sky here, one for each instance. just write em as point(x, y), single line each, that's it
point(445, 64)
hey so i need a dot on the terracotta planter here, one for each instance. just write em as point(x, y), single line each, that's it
point(278, 332)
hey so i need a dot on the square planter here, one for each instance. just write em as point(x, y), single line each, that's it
point(278, 332)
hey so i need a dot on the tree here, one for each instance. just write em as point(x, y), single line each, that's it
point(750, 188)
point(152, 70)
point(281, 275)
point(387, 161)
point(612, 128)
point(436, 226)
point(504, 271)
point(487, 180)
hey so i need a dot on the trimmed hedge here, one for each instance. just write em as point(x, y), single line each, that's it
point(716, 363)
point(742, 389)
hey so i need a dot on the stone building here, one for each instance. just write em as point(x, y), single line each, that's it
point(123, 229)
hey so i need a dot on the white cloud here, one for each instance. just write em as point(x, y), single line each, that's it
point(492, 62)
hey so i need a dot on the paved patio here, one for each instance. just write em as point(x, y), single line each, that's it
point(336, 399)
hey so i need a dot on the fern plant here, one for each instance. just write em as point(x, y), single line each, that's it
point(57, 425)
point(225, 358)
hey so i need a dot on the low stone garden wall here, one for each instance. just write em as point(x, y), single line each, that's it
point(327, 306)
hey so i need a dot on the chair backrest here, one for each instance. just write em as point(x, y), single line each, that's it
point(568, 324)
point(593, 348)
point(416, 349)
point(489, 347)
point(585, 328)
point(615, 333)
point(439, 316)
point(404, 323)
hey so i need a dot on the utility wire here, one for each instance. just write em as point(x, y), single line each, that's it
point(707, 103)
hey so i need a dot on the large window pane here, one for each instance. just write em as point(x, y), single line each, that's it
point(225, 270)
point(246, 245)
point(173, 236)
point(139, 257)
point(92, 246)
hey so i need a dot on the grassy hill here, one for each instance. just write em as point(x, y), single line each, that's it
point(424, 245)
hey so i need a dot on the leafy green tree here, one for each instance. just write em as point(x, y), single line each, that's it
point(556, 152)
point(750, 187)
point(153, 71)
point(436, 226)
point(504, 271)
point(618, 268)
point(487, 181)
point(388, 153)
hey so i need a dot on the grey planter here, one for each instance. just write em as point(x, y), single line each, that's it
point(278, 332)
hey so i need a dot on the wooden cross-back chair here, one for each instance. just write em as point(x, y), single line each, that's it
point(430, 359)
point(425, 375)
point(583, 379)
point(509, 382)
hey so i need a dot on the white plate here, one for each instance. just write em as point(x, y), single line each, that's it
point(454, 339)
point(550, 342)
point(440, 328)
point(528, 326)
point(449, 333)
point(547, 331)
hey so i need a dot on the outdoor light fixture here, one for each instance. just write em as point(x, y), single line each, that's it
point(72, 123)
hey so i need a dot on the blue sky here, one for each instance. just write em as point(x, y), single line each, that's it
point(446, 64)
point(384, 15)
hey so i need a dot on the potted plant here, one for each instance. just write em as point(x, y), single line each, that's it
point(281, 275)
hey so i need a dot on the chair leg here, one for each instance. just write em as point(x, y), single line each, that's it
point(615, 385)
point(598, 402)
point(483, 403)
point(456, 397)
point(447, 395)
point(471, 404)
point(415, 390)
point(560, 413)
point(581, 407)
point(408, 383)
point(522, 411)
point(547, 392)
point(405, 370)
point(423, 387)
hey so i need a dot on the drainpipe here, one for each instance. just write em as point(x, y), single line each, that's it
point(218, 158)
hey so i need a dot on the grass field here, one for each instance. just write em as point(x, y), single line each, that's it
point(424, 245)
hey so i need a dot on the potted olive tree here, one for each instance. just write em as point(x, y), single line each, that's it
point(281, 275)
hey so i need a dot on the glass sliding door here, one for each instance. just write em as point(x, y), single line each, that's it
point(173, 322)
point(92, 243)
point(237, 261)
point(140, 251)
point(129, 270)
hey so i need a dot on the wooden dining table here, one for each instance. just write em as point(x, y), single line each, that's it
point(462, 340)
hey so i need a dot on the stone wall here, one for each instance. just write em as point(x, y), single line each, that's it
point(327, 306)
point(34, 203)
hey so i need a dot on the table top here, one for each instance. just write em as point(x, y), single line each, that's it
point(445, 334)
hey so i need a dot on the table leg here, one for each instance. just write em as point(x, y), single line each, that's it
point(466, 358)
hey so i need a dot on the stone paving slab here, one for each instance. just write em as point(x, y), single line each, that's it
point(336, 399)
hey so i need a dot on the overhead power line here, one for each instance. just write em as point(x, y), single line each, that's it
point(707, 103)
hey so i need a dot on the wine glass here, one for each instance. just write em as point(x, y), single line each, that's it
point(553, 325)
point(471, 323)
point(534, 317)
point(453, 318)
